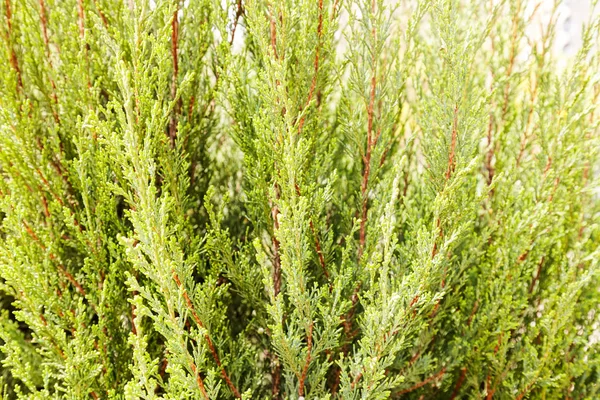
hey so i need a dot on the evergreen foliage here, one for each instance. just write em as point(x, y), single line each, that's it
point(291, 199)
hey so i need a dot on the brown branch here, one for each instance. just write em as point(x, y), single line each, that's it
point(276, 378)
point(522, 394)
point(273, 34)
point(276, 256)
point(52, 256)
point(71, 279)
point(492, 390)
point(537, 276)
point(102, 16)
point(423, 383)
point(511, 60)
point(313, 83)
point(238, 13)
point(434, 250)
point(174, 51)
point(209, 341)
point(44, 23)
point(317, 242)
point(347, 323)
point(473, 311)
point(334, 9)
point(459, 383)
point(452, 152)
point(319, 250)
point(309, 344)
point(80, 18)
point(14, 62)
point(370, 143)
point(199, 380)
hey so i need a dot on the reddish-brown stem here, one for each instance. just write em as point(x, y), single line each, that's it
point(511, 60)
point(309, 344)
point(52, 256)
point(276, 256)
point(276, 378)
point(356, 380)
point(334, 9)
point(438, 225)
point(71, 279)
point(525, 136)
point(523, 393)
point(102, 16)
point(492, 390)
point(319, 250)
point(459, 383)
point(537, 276)
point(370, 144)
point(317, 242)
point(44, 23)
point(452, 152)
point(174, 51)
point(473, 311)
point(275, 216)
point(238, 13)
point(56, 197)
point(313, 83)
point(424, 382)
point(347, 323)
point(273, 28)
point(14, 62)
point(209, 341)
point(80, 20)
point(199, 380)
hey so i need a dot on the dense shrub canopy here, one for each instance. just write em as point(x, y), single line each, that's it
point(292, 199)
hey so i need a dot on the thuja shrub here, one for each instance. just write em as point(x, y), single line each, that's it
point(296, 199)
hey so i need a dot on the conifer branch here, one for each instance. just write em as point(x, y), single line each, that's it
point(174, 55)
point(309, 345)
point(452, 151)
point(459, 383)
point(44, 23)
point(239, 12)
point(209, 341)
point(370, 143)
point(313, 83)
point(424, 382)
point(14, 62)
point(101, 14)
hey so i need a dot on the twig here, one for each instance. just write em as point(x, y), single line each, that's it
point(423, 383)
point(537, 276)
point(459, 383)
point(452, 152)
point(44, 23)
point(238, 13)
point(370, 144)
point(209, 341)
point(313, 83)
point(14, 62)
point(174, 51)
point(309, 344)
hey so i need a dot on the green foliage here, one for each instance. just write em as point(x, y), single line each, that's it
point(328, 199)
